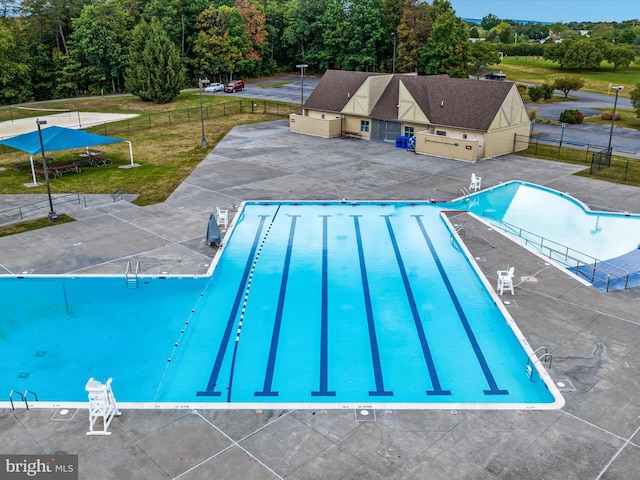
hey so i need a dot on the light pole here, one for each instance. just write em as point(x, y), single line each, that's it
point(394, 53)
point(613, 118)
point(53, 216)
point(202, 82)
point(302, 66)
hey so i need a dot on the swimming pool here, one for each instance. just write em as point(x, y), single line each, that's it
point(556, 223)
point(336, 304)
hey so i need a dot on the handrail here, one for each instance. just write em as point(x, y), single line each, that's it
point(546, 356)
point(26, 393)
point(464, 192)
point(30, 207)
point(567, 255)
point(11, 398)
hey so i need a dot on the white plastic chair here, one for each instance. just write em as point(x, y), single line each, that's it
point(505, 280)
point(476, 183)
point(223, 217)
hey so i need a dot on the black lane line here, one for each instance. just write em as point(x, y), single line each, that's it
point(426, 351)
point(493, 387)
point(224, 343)
point(323, 391)
point(275, 336)
point(373, 341)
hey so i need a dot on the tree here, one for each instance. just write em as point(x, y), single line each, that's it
point(446, 50)
point(619, 55)
point(99, 43)
point(635, 99)
point(489, 21)
point(155, 73)
point(14, 69)
point(567, 84)
point(414, 30)
point(482, 54)
point(222, 41)
point(365, 35)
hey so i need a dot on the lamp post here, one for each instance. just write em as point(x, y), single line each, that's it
point(302, 66)
point(394, 53)
point(53, 216)
point(613, 118)
point(202, 82)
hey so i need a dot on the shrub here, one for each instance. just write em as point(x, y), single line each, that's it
point(547, 91)
point(609, 116)
point(535, 93)
point(571, 116)
point(533, 113)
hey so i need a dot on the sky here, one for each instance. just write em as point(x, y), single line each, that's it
point(564, 11)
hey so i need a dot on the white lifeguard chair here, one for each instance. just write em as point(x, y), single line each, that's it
point(475, 184)
point(223, 217)
point(102, 404)
point(505, 280)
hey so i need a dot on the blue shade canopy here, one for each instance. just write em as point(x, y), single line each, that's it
point(57, 138)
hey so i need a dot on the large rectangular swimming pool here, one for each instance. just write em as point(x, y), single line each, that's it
point(336, 304)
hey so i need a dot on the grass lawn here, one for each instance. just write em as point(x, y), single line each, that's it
point(539, 71)
point(166, 143)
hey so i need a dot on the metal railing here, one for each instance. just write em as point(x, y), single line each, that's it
point(18, 213)
point(592, 269)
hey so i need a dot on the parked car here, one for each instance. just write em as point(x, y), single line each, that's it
point(495, 76)
point(214, 87)
point(234, 86)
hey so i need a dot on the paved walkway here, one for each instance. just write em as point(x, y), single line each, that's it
point(594, 337)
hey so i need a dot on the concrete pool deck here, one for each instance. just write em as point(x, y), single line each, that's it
point(594, 337)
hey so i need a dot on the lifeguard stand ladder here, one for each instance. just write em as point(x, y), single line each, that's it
point(102, 404)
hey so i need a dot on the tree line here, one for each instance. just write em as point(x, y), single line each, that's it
point(152, 48)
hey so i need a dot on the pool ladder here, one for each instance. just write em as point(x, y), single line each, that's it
point(463, 191)
point(131, 277)
point(23, 396)
point(544, 357)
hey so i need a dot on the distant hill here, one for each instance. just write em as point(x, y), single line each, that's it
point(479, 20)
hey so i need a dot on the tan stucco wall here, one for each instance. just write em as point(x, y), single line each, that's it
point(447, 147)
point(317, 126)
point(501, 142)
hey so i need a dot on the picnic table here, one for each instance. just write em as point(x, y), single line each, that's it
point(95, 158)
point(57, 169)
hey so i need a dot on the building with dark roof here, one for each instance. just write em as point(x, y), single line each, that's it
point(449, 117)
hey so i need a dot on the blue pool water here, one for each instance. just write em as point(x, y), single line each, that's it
point(564, 222)
point(308, 304)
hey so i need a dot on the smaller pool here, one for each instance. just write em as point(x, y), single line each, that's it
point(550, 220)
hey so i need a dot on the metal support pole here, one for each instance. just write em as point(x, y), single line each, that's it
point(201, 83)
point(613, 118)
point(53, 216)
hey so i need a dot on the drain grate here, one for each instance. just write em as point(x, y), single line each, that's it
point(565, 385)
point(480, 259)
point(64, 414)
point(41, 353)
point(510, 303)
point(529, 278)
point(24, 374)
point(365, 414)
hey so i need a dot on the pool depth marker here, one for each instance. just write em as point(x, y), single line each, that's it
point(493, 387)
point(324, 319)
point(426, 351)
point(275, 336)
point(224, 343)
point(373, 339)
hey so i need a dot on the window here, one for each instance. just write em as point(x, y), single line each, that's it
point(408, 131)
point(364, 125)
point(442, 133)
